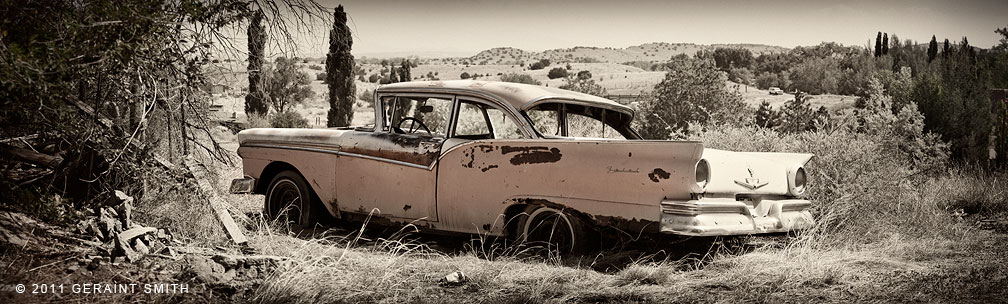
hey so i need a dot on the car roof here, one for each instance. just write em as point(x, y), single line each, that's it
point(519, 95)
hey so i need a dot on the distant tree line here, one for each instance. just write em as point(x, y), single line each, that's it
point(948, 85)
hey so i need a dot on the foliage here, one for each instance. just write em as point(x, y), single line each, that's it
point(767, 80)
point(367, 97)
point(404, 72)
point(727, 59)
point(289, 119)
point(583, 83)
point(766, 117)
point(465, 75)
point(557, 73)
point(954, 98)
point(257, 121)
point(115, 88)
point(519, 78)
point(339, 69)
point(373, 78)
point(885, 44)
point(255, 100)
point(901, 128)
point(741, 75)
point(932, 50)
point(796, 115)
point(287, 85)
point(816, 76)
point(693, 91)
point(539, 65)
point(878, 45)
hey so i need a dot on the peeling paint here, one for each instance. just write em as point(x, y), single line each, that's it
point(532, 155)
point(657, 174)
point(407, 207)
point(487, 168)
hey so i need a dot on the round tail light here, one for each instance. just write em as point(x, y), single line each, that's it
point(702, 174)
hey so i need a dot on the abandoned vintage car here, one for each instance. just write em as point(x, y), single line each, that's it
point(517, 160)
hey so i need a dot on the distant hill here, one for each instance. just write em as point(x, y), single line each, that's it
point(648, 52)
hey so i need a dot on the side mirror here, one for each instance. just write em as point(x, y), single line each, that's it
point(425, 109)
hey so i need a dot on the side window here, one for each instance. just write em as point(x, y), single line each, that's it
point(589, 127)
point(583, 126)
point(545, 120)
point(471, 122)
point(503, 126)
point(417, 115)
point(482, 121)
point(388, 106)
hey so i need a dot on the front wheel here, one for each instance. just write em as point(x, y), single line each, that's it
point(557, 231)
point(288, 200)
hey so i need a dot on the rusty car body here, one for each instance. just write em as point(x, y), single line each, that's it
point(497, 158)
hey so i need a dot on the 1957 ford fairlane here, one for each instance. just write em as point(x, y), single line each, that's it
point(522, 161)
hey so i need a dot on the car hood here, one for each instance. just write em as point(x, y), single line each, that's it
point(752, 172)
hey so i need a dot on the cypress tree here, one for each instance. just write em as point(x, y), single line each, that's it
point(885, 44)
point(255, 100)
point(878, 45)
point(339, 72)
point(932, 50)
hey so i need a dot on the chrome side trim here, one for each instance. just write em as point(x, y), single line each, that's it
point(309, 149)
point(397, 162)
point(341, 153)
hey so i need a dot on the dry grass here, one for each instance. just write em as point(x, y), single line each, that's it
point(395, 271)
point(174, 206)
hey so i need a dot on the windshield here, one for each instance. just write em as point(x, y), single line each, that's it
point(577, 121)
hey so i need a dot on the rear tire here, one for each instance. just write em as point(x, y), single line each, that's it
point(289, 200)
point(557, 231)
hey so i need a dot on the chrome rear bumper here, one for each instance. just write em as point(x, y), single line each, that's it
point(726, 216)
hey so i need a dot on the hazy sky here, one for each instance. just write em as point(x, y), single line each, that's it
point(464, 27)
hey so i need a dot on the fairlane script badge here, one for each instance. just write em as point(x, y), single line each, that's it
point(751, 182)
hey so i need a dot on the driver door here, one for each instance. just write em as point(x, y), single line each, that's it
point(392, 170)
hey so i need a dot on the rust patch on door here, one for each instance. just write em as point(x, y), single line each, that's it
point(469, 158)
point(532, 155)
point(658, 174)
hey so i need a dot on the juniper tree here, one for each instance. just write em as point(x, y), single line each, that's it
point(766, 117)
point(255, 100)
point(404, 72)
point(796, 115)
point(693, 91)
point(339, 70)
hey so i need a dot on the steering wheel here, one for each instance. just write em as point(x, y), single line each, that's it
point(415, 124)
